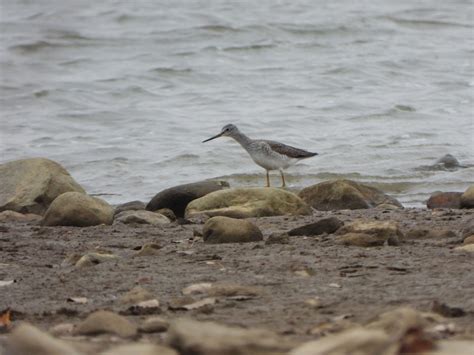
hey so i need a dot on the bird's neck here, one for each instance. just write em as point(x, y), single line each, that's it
point(242, 139)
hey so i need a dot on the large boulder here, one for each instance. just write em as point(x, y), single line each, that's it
point(177, 198)
point(221, 229)
point(30, 185)
point(77, 209)
point(248, 202)
point(444, 200)
point(467, 198)
point(345, 195)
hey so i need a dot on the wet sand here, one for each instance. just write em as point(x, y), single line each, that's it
point(352, 283)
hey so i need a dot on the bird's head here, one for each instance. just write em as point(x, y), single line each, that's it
point(228, 130)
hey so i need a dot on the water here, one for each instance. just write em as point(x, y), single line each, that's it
point(123, 92)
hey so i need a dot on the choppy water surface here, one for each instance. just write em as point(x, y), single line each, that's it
point(123, 92)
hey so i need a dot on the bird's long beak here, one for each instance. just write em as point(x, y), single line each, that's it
point(216, 136)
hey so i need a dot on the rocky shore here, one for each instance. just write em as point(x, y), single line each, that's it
point(204, 268)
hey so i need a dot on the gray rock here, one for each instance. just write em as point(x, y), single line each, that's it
point(26, 339)
point(209, 338)
point(141, 217)
point(344, 194)
point(248, 202)
point(79, 210)
point(448, 162)
point(230, 230)
point(177, 198)
point(106, 322)
point(467, 198)
point(30, 185)
point(444, 200)
point(129, 206)
point(325, 225)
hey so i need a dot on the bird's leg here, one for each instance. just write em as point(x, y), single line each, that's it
point(283, 184)
point(268, 179)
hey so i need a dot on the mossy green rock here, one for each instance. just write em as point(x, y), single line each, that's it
point(30, 185)
point(345, 195)
point(248, 202)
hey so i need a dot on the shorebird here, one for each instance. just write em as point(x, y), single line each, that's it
point(270, 155)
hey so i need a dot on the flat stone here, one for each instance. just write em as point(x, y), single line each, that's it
point(467, 198)
point(30, 185)
point(352, 341)
point(27, 339)
point(444, 200)
point(79, 210)
point(248, 202)
point(325, 225)
point(129, 206)
point(178, 197)
point(141, 217)
point(92, 259)
point(344, 194)
point(136, 295)
point(209, 338)
point(140, 349)
point(154, 324)
point(381, 230)
point(469, 240)
point(12, 216)
point(230, 230)
point(106, 322)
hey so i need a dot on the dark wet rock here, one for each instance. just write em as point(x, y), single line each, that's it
point(26, 339)
point(106, 322)
point(31, 185)
point(467, 198)
point(155, 324)
point(141, 217)
point(444, 200)
point(140, 349)
point(344, 194)
point(177, 198)
point(129, 206)
point(425, 233)
point(12, 216)
point(209, 338)
point(370, 233)
point(325, 225)
point(230, 230)
point(248, 202)
point(447, 311)
point(278, 238)
point(79, 210)
point(448, 162)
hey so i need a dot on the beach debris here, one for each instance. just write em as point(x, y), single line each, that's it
point(6, 282)
point(79, 300)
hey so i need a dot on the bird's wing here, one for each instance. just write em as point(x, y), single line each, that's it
point(289, 151)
